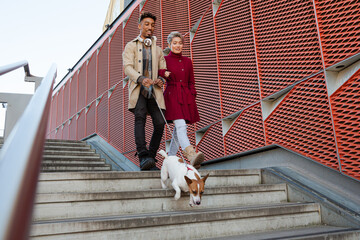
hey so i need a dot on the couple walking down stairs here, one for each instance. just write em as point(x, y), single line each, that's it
point(79, 197)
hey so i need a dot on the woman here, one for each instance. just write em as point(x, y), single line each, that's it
point(179, 98)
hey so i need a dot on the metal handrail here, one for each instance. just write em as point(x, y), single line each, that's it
point(20, 160)
point(13, 66)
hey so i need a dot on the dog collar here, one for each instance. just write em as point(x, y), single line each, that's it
point(189, 169)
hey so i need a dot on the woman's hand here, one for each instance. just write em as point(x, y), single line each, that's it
point(167, 74)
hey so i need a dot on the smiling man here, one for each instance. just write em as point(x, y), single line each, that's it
point(142, 61)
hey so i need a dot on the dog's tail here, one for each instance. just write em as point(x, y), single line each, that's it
point(163, 153)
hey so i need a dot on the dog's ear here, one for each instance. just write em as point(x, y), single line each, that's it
point(188, 180)
point(204, 178)
point(197, 176)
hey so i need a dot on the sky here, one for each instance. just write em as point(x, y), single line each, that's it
point(44, 32)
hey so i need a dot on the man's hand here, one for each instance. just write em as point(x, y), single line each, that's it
point(159, 83)
point(147, 82)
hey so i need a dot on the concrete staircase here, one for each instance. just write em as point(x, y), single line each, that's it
point(132, 205)
point(71, 156)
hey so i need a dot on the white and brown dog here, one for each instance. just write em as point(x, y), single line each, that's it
point(183, 177)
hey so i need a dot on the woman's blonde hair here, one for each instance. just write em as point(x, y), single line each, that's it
point(173, 35)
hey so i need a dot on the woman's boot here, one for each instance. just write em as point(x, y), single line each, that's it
point(195, 158)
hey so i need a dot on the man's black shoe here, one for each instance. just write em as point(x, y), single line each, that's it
point(146, 163)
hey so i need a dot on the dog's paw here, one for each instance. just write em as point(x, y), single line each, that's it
point(177, 196)
point(163, 185)
point(191, 204)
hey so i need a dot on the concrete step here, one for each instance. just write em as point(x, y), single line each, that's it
point(90, 152)
point(75, 167)
point(70, 157)
point(72, 162)
point(136, 181)
point(62, 141)
point(66, 144)
point(313, 232)
point(79, 205)
point(67, 148)
point(188, 224)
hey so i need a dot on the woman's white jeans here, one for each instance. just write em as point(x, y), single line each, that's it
point(179, 137)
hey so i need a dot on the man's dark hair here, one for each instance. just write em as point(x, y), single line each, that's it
point(147, 15)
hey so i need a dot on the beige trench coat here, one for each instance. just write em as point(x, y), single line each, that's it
point(132, 59)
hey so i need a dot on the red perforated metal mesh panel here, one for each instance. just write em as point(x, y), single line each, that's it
point(175, 17)
point(65, 131)
point(53, 112)
point(103, 68)
point(339, 25)
point(197, 9)
point(205, 70)
point(131, 29)
point(91, 79)
point(102, 117)
point(129, 138)
point(82, 87)
point(60, 107)
point(131, 156)
point(90, 120)
point(66, 101)
point(212, 143)
point(153, 6)
point(302, 122)
point(116, 119)
point(287, 42)
point(81, 125)
point(116, 64)
point(236, 52)
point(73, 129)
point(58, 134)
point(246, 133)
point(73, 94)
point(346, 113)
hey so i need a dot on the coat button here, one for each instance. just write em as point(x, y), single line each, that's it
point(180, 80)
point(179, 60)
point(140, 61)
point(182, 69)
point(139, 50)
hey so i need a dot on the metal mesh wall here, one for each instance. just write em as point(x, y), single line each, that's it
point(244, 53)
point(287, 42)
point(339, 29)
point(346, 112)
point(302, 122)
point(246, 133)
point(205, 71)
point(236, 52)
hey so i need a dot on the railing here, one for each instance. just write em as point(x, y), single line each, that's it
point(13, 66)
point(20, 160)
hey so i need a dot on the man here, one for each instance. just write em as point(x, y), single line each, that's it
point(142, 60)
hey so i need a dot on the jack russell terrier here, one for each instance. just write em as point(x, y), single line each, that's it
point(183, 177)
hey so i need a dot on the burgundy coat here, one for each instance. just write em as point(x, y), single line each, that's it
point(180, 90)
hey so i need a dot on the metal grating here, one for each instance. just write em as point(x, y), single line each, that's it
point(81, 125)
point(102, 117)
point(116, 64)
point(212, 143)
point(197, 9)
point(246, 133)
point(153, 6)
point(82, 88)
point(176, 22)
point(302, 122)
point(66, 101)
point(236, 52)
point(129, 138)
point(205, 70)
point(72, 129)
point(90, 120)
point(73, 94)
point(103, 68)
point(91, 79)
point(65, 131)
point(59, 107)
point(339, 25)
point(116, 118)
point(53, 112)
point(346, 113)
point(131, 29)
point(287, 43)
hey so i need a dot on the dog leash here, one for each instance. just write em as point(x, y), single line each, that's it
point(172, 136)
